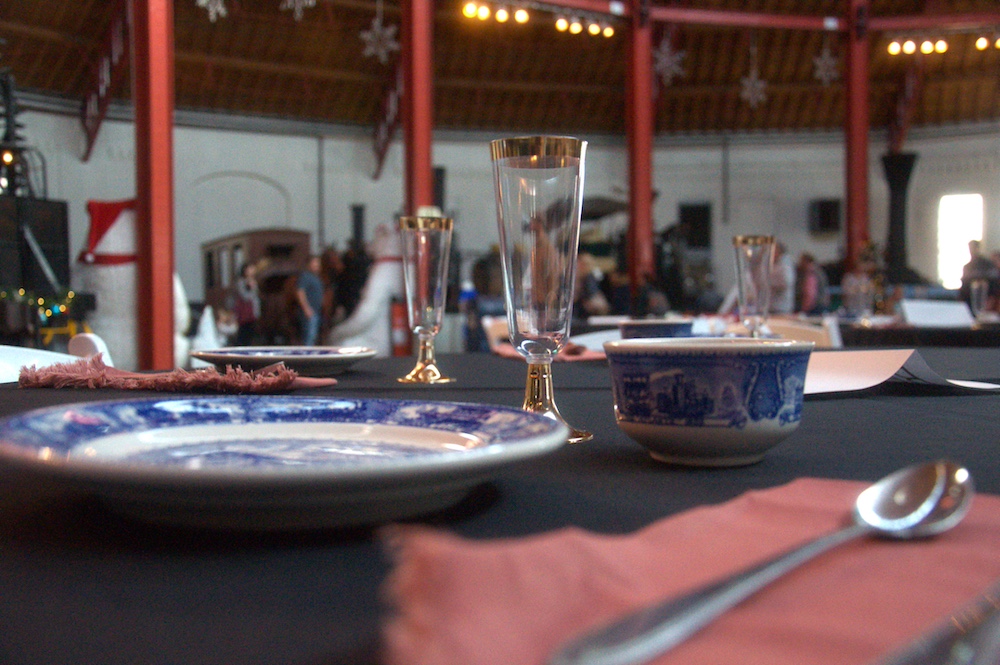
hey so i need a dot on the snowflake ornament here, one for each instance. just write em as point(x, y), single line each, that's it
point(752, 86)
point(215, 8)
point(379, 39)
point(667, 61)
point(297, 7)
point(827, 67)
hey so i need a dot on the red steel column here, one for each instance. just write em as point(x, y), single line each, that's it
point(856, 126)
point(639, 128)
point(153, 96)
point(418, 103)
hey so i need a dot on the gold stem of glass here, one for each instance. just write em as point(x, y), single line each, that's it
point(539, 398)
point(426, 369)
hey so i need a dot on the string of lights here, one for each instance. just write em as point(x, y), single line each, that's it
point(46, 308)
point(574, 24)
point(910, 45)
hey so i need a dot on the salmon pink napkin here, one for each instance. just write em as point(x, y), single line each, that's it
point(94, 373)
point(513, 602)
point(570, 352)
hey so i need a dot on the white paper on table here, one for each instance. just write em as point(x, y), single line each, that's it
point(838, 371)
point(936, 313)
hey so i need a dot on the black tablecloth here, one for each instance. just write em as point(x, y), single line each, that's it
point(911, 336)
point(80, 584)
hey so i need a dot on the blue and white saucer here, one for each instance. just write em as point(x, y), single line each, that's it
point(266, 462)
point(306, 360)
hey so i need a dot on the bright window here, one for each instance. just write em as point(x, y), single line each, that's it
point(960, 219)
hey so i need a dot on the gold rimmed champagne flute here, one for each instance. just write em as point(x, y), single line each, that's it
point(538, 182)
point(426, 247)
point(754, 258)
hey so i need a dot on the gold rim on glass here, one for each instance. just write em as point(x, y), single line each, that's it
point(747, 241)
point(537, 146)
point(425, 223)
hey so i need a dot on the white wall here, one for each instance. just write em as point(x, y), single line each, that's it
point(227, 181)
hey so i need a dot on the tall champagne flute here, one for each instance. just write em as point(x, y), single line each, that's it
point(426, 247)
point(538, 182)
point(754, 260)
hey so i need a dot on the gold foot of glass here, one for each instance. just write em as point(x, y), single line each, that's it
point(426, 369)
point(538, 398)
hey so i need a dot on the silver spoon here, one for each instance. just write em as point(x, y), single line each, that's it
point(915, 502)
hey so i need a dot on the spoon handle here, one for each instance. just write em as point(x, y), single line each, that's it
point(970, 635)
point(648, 632)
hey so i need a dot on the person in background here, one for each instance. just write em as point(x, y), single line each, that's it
point(356, 264)
point(782, 282)
point(309, 292)
point(588, 299)
point(979, 267)
point(859, 285)
point(487, 299)
point(369, 322)
point(246, 305)
point(332, 274)
point(812, 289)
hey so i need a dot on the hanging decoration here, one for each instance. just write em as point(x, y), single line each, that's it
point(215, 8)
point(379, 39)
point(752, 87)
point(827, 67)
point(297, 7)
point(667, 61)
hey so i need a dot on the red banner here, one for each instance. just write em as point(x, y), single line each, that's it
point(108, 73)
point(389, 121)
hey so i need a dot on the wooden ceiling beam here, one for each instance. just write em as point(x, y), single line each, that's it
point(958, 22)
point(527, 86)
point(45, 34)
point(185, 58)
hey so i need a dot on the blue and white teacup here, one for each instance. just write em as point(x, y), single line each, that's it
point(708, 401)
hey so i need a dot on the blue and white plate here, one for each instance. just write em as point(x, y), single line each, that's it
point(265, 462)
point(306, 360)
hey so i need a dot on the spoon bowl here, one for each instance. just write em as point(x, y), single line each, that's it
point(915, 502)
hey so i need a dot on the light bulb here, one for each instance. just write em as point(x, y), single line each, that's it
point(982, 43)
point(469, 9)
point(926, 46)
point(521, 15)
point(909, 47)
point(594, 29)
point(575, 27)
point(562, 25)
point(483, 12)
point(940, 46)
point(609, 31)
point(502, 15)
point(894, 48)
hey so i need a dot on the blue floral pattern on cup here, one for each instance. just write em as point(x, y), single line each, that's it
point(709, 389)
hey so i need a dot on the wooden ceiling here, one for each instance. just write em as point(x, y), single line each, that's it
point(258, 60)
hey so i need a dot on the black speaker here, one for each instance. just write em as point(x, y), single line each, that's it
point(45, 242)
point(824, 216)
point(439, 176)
point(34, 244)
point(10, 243)
point(696, 220)
point(358, 225)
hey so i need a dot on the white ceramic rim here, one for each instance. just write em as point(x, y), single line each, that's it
point(658, 345)
point(654, 322)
